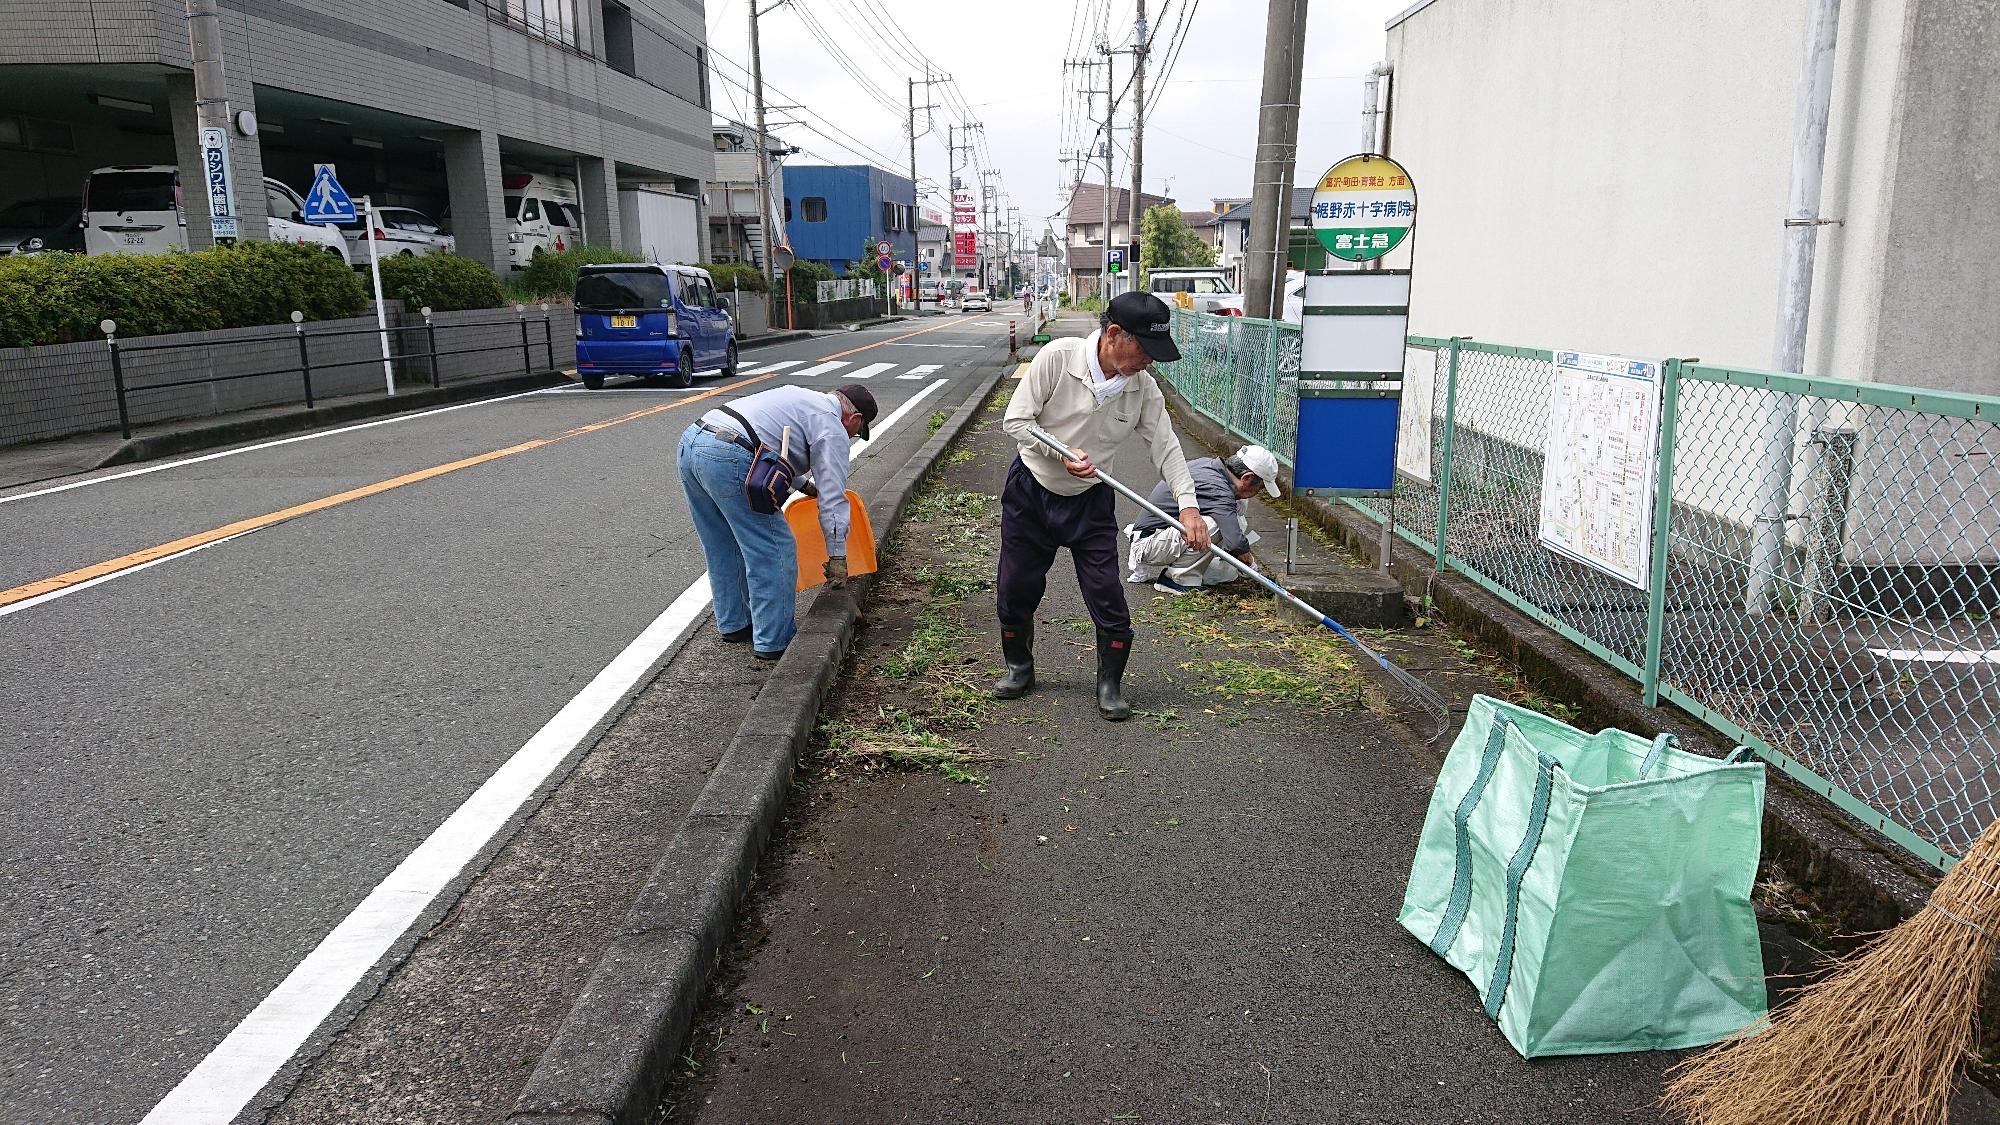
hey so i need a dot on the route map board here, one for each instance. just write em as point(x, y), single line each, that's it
point(1598, 466)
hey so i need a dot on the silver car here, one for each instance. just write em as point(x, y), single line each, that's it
point(399, 232)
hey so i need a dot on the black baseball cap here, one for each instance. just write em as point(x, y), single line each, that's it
point(1146, 317)
point(863, 400)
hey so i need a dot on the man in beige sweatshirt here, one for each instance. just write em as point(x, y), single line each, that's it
point(1091, 394)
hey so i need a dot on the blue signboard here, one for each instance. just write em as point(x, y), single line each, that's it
point(1347, 445)
point(327, 202)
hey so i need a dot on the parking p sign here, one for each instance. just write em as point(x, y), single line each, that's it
point(1363, 207)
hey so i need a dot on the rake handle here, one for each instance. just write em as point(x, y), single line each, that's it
point(1050, 440)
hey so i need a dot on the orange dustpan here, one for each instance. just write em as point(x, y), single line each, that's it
point(803, 514)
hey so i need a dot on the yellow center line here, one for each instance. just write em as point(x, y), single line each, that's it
point(893, 339)
point(256, 523)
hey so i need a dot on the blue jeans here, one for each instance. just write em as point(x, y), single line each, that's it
point(753, 561)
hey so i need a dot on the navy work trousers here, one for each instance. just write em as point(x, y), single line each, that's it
point(1034, 522)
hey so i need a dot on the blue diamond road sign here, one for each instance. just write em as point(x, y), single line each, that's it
point(327, 202)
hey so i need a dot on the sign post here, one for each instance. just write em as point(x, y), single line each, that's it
point(221, 189)
point(328, 203)
point(1352, 335)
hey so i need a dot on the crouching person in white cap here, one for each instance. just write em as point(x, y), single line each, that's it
point(1160, 554)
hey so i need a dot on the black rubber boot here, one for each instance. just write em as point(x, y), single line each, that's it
point(1018, 646)
point(1113, 649)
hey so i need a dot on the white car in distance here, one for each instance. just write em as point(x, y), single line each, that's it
point(399, 232)
point(137, 209)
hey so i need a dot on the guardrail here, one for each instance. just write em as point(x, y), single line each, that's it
point(121, 351)
point(1825, 554)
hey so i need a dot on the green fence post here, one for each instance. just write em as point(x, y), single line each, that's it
point(1663, 515)
point(1269, 437)
point(1444, 458)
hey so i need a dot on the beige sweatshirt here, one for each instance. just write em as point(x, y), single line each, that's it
point(1056, 395)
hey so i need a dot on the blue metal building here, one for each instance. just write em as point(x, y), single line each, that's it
point(834, 212)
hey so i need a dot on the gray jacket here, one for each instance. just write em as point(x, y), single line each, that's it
point(1215, 495)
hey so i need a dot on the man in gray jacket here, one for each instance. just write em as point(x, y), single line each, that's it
point(1160, 553)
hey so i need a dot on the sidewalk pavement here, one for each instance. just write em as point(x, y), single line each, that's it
point(1187, 917)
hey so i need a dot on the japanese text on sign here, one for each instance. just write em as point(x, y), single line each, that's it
point(1597, 468)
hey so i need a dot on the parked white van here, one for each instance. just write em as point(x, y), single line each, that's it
point(542, 215)
point(136, 209)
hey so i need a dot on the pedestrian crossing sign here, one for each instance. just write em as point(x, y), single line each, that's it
point(328, 202)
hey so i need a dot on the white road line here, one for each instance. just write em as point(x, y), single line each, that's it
point(1940, 655)
point(165, 465)
point(895, 416)
point(870, 371)
point(820, 369)
point(947, 345)
point(767, 368)
point(239, 1067)
point(920, 370)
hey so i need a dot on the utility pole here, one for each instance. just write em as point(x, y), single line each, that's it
point(1139, 52)
point(916, 220)
point(1110, 150)
point(763, 146)
point(1277, 151)
point(211, 106)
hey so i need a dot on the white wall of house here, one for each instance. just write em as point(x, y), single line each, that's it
point(1613, 177)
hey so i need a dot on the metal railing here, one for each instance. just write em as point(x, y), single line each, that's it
point(401, 354)
point(1851, 640)
point(846, 289)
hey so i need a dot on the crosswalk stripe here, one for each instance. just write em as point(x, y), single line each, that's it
point(920, 370)
point(870, 371)
point(764, 367)
point(820, 369)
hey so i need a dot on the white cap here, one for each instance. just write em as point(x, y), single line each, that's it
point(1264, 463)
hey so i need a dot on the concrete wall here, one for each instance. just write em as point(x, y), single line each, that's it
point(1940, 243)
point(1613, 177)
point(65, 389)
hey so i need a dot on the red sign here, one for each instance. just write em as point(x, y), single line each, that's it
point(965, 245)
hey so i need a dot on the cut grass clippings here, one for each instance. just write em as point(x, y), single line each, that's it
point(936, 682)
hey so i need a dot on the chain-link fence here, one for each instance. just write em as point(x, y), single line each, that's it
point(1825, 569)
point(1242, 373)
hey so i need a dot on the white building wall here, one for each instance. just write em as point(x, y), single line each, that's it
point(1613, 176)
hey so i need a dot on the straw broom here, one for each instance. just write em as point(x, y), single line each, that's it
point(1881, 1040)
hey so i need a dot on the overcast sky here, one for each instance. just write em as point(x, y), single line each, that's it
point(1006, 60)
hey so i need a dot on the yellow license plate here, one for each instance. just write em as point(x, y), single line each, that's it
point(624, 322)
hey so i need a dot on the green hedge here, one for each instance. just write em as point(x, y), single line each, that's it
point(553, 273)
point(806, 276)
point(60, 298)
point(735, 275)
point(445, 282)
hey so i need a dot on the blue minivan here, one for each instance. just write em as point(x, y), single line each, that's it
point(658, 322)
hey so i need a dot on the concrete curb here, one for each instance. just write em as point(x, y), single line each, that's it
point(1865, 884)
point(229, 432)
point(614, 1051)
point(769, 338)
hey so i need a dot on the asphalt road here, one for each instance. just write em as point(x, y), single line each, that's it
point(209, 761)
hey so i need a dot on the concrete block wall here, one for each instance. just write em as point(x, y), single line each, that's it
point(65, 389)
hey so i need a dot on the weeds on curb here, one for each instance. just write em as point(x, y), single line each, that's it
point(904, 741)
point(931, 663)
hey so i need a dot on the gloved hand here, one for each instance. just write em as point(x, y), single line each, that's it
point(806, 488)
point(835, 571)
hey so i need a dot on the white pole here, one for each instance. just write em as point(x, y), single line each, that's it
point(1780, 411)
point(375, 275)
